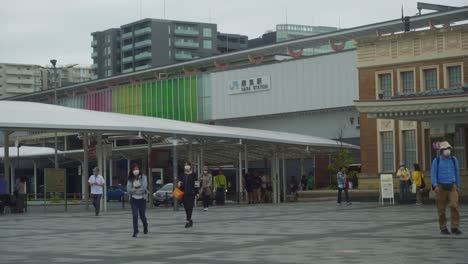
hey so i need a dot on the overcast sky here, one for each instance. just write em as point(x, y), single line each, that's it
point(34, 31)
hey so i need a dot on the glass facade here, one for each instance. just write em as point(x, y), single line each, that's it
point(175, 99)
point(388, 163)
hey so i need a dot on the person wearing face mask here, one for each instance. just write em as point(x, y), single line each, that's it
point(189, 185)
point(137, 185)
point(207, 187)
point(445, 176)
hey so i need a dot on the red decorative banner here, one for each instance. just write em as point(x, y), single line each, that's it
point(256, 60)
point(221, 66)
point(295, 54)
point(336, 47)
point(190, 72)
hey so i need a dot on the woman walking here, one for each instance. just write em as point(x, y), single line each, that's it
point(207, 187)
point(341, 184)
point(189, 185)
point(418, 178)
point(137, 185)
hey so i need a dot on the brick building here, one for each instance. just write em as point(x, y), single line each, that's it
point(412, 95)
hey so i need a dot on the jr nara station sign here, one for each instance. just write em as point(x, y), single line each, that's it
point(255, 84)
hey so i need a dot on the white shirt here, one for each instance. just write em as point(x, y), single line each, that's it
point(96, 189)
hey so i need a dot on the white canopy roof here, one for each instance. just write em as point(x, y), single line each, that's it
point(44, 117)
point(26, 151)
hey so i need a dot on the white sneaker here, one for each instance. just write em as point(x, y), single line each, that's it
point(205, 209)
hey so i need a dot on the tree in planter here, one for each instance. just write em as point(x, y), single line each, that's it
point(342, 159)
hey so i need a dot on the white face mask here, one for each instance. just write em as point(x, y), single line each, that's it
point(136, 172)
point(187, 167)
point(446, 152)
point(206, 172)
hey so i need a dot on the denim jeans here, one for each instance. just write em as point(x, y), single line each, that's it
point(404, 191)
point(138, 207)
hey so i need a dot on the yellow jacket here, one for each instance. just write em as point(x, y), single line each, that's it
point(403, 174)
point(417, 178)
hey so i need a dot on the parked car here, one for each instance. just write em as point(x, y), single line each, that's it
point(163, 195)
point(116, 193)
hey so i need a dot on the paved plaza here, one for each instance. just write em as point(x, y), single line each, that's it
point(312, 232)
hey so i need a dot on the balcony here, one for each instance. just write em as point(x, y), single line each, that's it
point(20, 81)
point(94, 43)
point(143, 55)
point(127, 70)
point(143, 67)
point(142, 31)
point(127, 59)
point(185, 56)
point(127, 47)
point(143, 43)
point(186, 31)
point(126, 35)
point(186, 44)
point(94, 66)
point(94, 54)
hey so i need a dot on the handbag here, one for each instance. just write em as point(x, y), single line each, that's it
point(413, 188)
point(178, 194)
point(423, 184)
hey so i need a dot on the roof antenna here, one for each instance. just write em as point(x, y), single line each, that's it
point(286, 15)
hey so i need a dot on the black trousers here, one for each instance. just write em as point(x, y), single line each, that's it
point(220, 192)
point(97, 202)
point(206, 199)
point(346, 194)
point(188, 201)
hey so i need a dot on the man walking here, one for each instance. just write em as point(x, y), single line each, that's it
point(445, 175)
point(220, 186)
point(96, 181)
point(341, 184)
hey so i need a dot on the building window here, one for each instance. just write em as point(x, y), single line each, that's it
point(108, 38)
point(409, 147)
point(385, 85)
point(407, 82)
point(170, 42)
point(170, 54)
point(430, 79)
point(454, 76)
point(207, 33)
point(387, 151)
point(207, 44)
point(169, 29)
point(459, 147)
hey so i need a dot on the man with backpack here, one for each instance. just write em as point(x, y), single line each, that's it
point(445, 176)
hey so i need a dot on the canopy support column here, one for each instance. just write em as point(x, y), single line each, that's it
point(35, 179)
point(6, 149)
point(239, 183)
point(274, 185)
point(150, 174)
point(174, 170)
point(85, 170)
point(284, 177)
point(99, 157)
point(104, 161)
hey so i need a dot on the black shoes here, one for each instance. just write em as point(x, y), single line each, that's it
point(444, 232)
point(456, 231)
point(189, 224)
point(145, 230)
point(135, 234)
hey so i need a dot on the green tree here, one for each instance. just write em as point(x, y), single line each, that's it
point(342, 159)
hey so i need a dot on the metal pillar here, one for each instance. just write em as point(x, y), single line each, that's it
point(302, 167)
point(104, 170)
point(278, 179)
point(274, 179)
point(190, 152)
point(85, 170)
point(6, 149)
point(284, 177)
point(150, 175)
point(239, 185)
point(174, 170)
point(35, 179)
point(56, 147)
point(246, 159)
point(99, 156)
